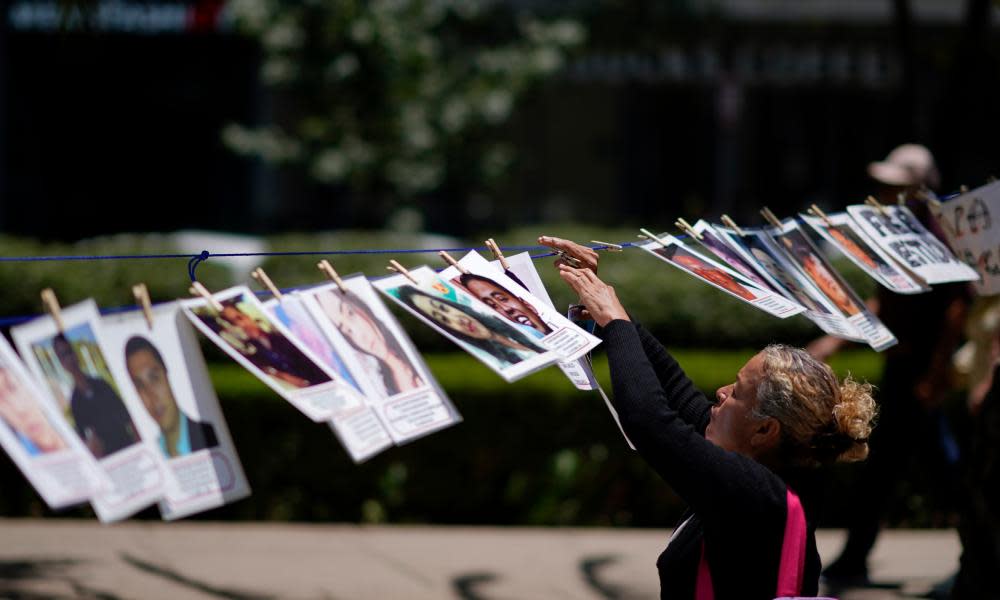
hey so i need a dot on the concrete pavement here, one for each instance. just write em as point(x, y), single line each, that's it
point(251, 561)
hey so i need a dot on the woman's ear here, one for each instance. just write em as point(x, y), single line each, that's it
point(766, 435)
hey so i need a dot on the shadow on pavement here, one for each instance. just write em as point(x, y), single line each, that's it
point(590, 567)
point(178, 578)
point(466, 586)
point(17, 575)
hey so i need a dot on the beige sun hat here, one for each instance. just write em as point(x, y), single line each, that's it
point(906, 165)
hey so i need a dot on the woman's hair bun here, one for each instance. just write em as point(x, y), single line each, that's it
point(854, 416)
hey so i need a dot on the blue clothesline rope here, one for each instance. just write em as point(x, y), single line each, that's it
point(195, 259)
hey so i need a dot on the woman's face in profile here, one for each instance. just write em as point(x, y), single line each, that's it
point(450, 317)
point(354, 324)
point(18, 408)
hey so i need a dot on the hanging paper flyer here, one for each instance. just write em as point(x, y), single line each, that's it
point(523, 267)
point(354, 422)
point(40, 442)
point(397, 383)
point(719, 276)
point(162, 368)
point(757, 248)
point(840, 232)
point(73, 363)
point(897, 231)
point(511, 301)
point(510, 350)
point(716, 244)
point(967, 221)
point(804, 254)
point(264, 347)
point(580, 372)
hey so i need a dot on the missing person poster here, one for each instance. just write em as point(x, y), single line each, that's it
point(839, 229)
point(967, 221)
point(397, 383)
point(39, 440)
point(717, 245)
point(514, 303)
point(758, 249)
point(511, 350)
point(74, 364)
point(897, 231)
point(269, 351)
point(161, 367)
point(721, 277)
point(804, 254)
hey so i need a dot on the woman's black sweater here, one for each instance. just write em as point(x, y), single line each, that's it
point(739, 506)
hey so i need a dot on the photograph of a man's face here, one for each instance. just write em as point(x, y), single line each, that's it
point(180, 434)
point(504, 301)
point(77, 373)
point(251, 333)
point(697, 266)
point(818, 271)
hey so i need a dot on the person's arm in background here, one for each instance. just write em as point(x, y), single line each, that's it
point(932, 386)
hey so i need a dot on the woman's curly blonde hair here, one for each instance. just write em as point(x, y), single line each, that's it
point(822, 420)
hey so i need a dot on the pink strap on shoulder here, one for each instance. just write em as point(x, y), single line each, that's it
point(791, 571)
point(703, 584)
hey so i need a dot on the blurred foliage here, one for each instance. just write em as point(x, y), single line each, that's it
point(534, 452)
point(396, 97)
point(108, 282)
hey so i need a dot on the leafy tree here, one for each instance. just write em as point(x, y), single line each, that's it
point(396, 98)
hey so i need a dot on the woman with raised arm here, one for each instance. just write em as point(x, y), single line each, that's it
point(739, 461)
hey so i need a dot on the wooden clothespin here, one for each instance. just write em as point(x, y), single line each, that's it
point(871, 201)
point(819, 213)
point(395, 266)
point(141, 293)
point(651, 236)
point(51, 304)
point(262, 277)
point(451, 261)
point(732, 225)
point(495, 249)
point(925, 194)
point(197, 289)
point(325, 266)
point(608, 246)
point(964, 189)
point(680, 223)
point(901, 198)
point(769, 216)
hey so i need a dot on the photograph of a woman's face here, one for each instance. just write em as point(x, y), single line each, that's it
point(693, 264)
point(485, 334)
point(377, 349)
point(20, 411)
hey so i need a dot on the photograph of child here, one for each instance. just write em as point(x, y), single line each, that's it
point(22, 414)
point(818, 270)
point(377, 349)
point(711, 240)
point(293, 314)
point(694, 264)
point(180, 434)
point(75, 368)
point(249, 332)
point(485, 334)
point(505, 302)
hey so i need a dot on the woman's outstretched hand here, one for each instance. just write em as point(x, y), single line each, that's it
point(599, 298)
point(587, 257)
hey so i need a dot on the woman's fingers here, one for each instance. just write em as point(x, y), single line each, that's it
point(586, 256)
